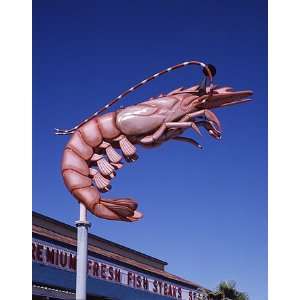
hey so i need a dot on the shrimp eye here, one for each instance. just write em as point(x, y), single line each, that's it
point(212, 70)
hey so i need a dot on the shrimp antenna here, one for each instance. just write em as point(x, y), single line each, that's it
point(206, 70)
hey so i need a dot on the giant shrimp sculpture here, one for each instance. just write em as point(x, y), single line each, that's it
point(90, 159)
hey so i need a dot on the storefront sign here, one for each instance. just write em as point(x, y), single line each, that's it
point(62, 258)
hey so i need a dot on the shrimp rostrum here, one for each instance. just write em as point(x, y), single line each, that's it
point(99, 144)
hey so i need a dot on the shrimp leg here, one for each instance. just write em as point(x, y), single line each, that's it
point(187, 140)
point(150, 139)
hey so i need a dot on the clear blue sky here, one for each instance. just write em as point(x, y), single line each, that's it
point(207, 215)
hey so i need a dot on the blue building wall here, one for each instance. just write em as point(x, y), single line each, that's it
point(66, 280)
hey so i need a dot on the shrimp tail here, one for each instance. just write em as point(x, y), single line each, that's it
point(86, 183)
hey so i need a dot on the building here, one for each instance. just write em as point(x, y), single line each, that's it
point(114, 271)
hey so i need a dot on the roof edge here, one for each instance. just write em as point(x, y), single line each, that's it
point(73, 228)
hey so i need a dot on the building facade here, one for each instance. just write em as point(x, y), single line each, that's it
point(114, 271)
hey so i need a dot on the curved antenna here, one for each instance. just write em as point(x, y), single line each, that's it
point(207, 73)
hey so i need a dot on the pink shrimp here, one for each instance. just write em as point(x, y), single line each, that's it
point(90, 158)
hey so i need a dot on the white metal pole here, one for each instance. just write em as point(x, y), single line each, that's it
point(82, 251)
